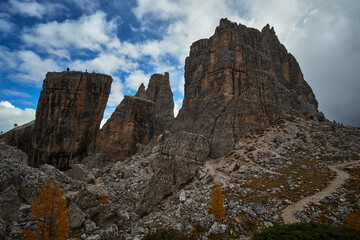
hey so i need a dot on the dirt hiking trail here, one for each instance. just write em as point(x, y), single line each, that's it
point(288, 213)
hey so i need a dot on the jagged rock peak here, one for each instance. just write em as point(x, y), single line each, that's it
point(241, 79)
point(132, 122)
point(137, 120)
point(68, 116)
point(141, 93)
point(159, 91)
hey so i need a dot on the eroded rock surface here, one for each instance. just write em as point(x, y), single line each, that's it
point(241, 79)
point(132, 122)
point(21, 137)
point(160, 93)
point(137, 120)
point(68, 116)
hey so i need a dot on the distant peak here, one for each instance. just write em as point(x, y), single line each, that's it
point(267, 29)
point(224, 22)
point(141, 93)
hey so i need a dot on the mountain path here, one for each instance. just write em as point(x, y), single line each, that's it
point(288, 214)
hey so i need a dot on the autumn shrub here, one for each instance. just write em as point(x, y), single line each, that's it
point(217, 203)
point(50, 213)
point(353, 220)
point(306, 231)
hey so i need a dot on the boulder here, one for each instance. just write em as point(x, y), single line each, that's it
point(187, 145)
point(76, 216)
point(170, 173)
point(81, 173)
point(9, 203)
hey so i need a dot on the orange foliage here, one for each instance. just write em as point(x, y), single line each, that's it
point(217, 203)
point(50, 213)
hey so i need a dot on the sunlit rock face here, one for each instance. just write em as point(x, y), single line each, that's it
point(68, 116)
point(241, 79)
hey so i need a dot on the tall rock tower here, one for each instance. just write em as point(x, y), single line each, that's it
point(136, 120)
point(238, 80)
point(68, 116)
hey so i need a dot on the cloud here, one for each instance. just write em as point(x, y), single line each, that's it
point(32, 68)
point(14, 93)
point(177, 106)
point(90, 32)
point(34, 9)
point(116, 95)
point(134, 80)
point(86, 5)
point(102, 123)
point(188, 21)
point(105, 63)
point(6, 26)
point(9, 115)
point(322, 38)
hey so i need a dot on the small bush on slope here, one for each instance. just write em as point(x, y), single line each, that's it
point(307, 231)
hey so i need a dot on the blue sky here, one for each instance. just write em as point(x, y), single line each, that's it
point(131, 40)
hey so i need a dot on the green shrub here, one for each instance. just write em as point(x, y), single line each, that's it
point(307, 231)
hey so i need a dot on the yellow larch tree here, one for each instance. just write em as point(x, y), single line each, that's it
point(50, 213)
point(217, 203)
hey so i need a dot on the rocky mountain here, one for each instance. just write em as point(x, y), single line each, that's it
point(249, 122)
point(238, 80)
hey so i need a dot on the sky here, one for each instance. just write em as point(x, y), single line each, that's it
point(132, 39)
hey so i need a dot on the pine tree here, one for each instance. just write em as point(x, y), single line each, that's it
point(217, 203)
point(50, 213)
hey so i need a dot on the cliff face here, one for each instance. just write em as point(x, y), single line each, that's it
point(68, 116)
point(160, 93)
point(21, 137)
point(137, 120)
point(132, 122)
point(241, 79)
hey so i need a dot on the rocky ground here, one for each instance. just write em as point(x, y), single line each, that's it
point(169, 185)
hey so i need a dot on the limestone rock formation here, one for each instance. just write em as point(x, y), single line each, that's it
point(241, 79)
point(137, 120)
point(21, 137)
point(160, 93)
point(68, 116)
point(132, 122)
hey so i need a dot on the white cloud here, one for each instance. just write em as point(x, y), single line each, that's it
point(86, 5)
point(116, 95)
point(6, 26)
point(14, 93)
point(189, 22)
point(177, 106)
point(102, 123)
point(134, 80)
point(91, 32)
point(9, 115)
point(107, 63)
point(32, 68)
point(34, 9)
